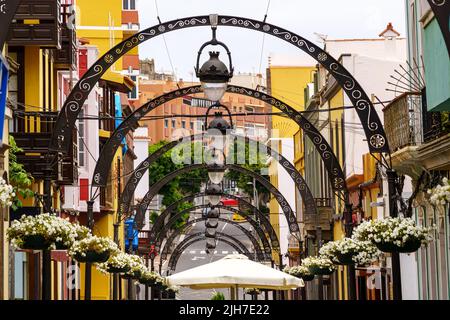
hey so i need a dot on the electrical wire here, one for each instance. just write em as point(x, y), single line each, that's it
point(263, 38)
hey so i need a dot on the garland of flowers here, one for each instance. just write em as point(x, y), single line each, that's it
point(350, 251)
point(52, 231)
point(440, 195)
point(398, 232)
point(7, 194)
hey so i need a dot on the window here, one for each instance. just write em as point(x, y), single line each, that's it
point(129, 4)
point(174, 124)
point(249, 109)
point(133, 94)
point(183, 124)
point(166, 123)
point(81, 142)
point(192, 125)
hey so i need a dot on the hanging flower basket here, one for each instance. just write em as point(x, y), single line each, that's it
point(59, 245)
point(111, 269)
point(318, 271)
point(93, 257)
point(345, 259)
point(395, 234)
point(307, 278)
point(35, 242)
point(409, 246)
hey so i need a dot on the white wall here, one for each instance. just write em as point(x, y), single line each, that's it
point(409, 275)
point(141, 143)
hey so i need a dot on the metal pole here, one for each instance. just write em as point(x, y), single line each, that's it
point(393, 212)
point(46, 254)
point(115, 275)
point(88, 273)
point(351, 273)
point(319, 278)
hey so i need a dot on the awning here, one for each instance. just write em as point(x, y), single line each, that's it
point(118, 82)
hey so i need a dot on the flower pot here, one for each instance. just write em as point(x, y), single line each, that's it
point(136, 275)
point(118, 270)
point(93, 257)
point(410, 246)
point(149, 283)
point(35, 242)
point(345, 259)
point(307, 277)
point(320, 271)
point(61, 246)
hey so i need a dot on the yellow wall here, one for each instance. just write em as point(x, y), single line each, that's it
point(287, 84)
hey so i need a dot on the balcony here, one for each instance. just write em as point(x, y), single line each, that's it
point(37, 22)
point(66, 57)
point(32, 132)
point(417, 138)
point(323, 219)
point(144, 242)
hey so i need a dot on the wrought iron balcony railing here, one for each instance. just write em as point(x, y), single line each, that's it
point(66, 57)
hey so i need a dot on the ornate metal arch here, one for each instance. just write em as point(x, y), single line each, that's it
point(7, 12)
point(287, 210)
point(261, 235)
point(300, 183)
point(261, 255)
point(373, 128)
point(441, 9)
point(268, 228)
point(178, 251)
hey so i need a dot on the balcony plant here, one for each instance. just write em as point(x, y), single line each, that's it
point(350, 251)
point(394, 234)
point(319, 265)
point(440, 195)
point(93, 249)
point(301, 272)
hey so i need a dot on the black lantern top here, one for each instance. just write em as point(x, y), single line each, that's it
point(214, 70)
point(219, 123)
point(213, 189)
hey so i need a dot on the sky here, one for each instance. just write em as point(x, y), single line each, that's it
point(336, 19)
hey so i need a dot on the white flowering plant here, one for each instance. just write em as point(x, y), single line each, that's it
point(117, 263)
point(137, 267)
point(7, 194)
point(45, 231)
point(350, 251)
point(173, 289)
point(93, 249)
point(297, 271)
point(440, 195)
point(319, 265)
point(394, 234)
point(151, 278)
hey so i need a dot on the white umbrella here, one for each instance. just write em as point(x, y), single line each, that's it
point(235, 271)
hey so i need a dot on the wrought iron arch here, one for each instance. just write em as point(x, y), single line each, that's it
point(268, 228)
point(261, 255)
point(294, 174)
point(261, 235)
point(178, 251)
point(287, 210)
point(67, 117)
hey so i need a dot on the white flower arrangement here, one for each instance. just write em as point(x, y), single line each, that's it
point(297, 271)
point(119, 261)
point(7, 194)
point(398, 231)
point(93, 244)
point(137, 267)
point(151, 278)
point(359, 252)
point(440, 195)
point(54, 231)
point(319, 262)
point(173, 289)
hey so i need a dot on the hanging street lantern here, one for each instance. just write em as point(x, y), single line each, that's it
point(214, 75)
point(216, 165)
point(212, 218)
point(213, 193)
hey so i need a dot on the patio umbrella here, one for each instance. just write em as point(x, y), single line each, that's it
point(235, 271)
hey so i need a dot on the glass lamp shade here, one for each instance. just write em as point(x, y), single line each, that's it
point(214, 199)
point(212, 223)
point(216, 177)
point(214, 91)
point(210, 233)
point(210, 243)
point(213, 213)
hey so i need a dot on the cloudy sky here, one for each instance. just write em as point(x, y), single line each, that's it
point(332, 18)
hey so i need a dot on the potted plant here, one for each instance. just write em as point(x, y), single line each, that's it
point(137, 268)
point(394, 234)
point(7, 194)
point(350, 251)
point(151, 279)
point(93, 249)
point(68, 233)
point(319, 265)
point(300, 272)
point(117, 263)
point(440, 195)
